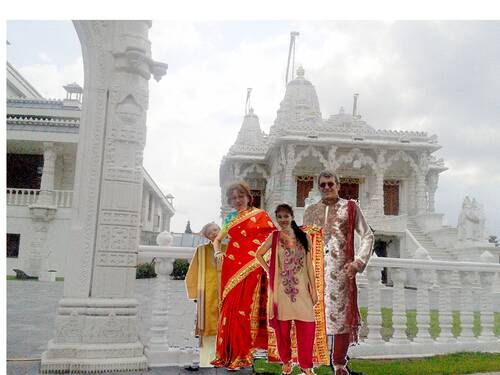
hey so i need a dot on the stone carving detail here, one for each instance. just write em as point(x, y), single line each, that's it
point(110, 328)
point(113, 259)
point(471, 221)
point(69, 328)
point(401, 155)
point(313, 151)
point(92, 176)
point(257, 168)
point(331, 158)
point(117, 238)
point(357, 159)
point(120, 218)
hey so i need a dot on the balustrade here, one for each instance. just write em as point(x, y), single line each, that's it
point(432, 277)
point(26, 197)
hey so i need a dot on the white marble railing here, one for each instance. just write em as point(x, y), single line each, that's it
point(159, 350)
point(431, 276)
point(26, 197)
point(435, 276)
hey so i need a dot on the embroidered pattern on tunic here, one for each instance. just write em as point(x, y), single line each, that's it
point(291, 264)
point(335, 237)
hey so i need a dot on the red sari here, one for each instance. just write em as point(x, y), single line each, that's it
point(242, 323)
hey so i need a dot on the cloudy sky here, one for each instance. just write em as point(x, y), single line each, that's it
point(438, 77)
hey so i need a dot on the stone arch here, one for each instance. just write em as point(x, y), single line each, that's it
point(401, 155)
point(254, 168)
point(117, 67)
point(350, 157)
point(310, 150)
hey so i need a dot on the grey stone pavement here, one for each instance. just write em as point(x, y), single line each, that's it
point(31, 311)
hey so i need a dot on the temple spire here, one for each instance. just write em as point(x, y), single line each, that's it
point(355, 105)
point(248, 106)
point(291, 56)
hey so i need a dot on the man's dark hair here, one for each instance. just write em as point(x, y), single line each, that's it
point(328, 174)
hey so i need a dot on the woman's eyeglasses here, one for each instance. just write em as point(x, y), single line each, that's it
point(330, 185)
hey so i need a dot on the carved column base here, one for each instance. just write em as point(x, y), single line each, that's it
point(163, 356)
point(95, 335)
point(93, 358)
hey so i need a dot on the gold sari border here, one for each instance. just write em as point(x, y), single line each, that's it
point(239, 219)
point(240, 275)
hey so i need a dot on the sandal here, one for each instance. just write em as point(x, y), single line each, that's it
point(287, 368)
point(308, 371)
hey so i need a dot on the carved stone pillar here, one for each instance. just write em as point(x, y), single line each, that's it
point(466, 308)
point(289, 194)
point(42, 213)
point(374, 318)
point(432, 184)
point(69, 172)
point(39, 254)
point(486, 280)
point(378, 196)
point(96, 323)
point(46, 197)
point(420, 194)
point(412, 201)
point(423, 306)
point(399, 307)
point(445, 314)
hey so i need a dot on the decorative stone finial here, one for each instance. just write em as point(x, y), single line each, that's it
point(341, 110)
point(164, 239)
point(300, 72)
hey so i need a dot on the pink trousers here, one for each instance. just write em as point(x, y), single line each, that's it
point(305, 341)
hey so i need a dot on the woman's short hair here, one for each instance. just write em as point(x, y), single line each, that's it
point(206, 227)
point(242, 188)
point(329, 174)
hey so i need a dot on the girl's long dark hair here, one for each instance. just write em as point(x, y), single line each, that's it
point(299, 233)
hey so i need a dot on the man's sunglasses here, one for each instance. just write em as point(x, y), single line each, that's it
point(325, 184)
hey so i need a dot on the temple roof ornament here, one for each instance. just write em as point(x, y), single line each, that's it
point(251, 140)
point(300, 104)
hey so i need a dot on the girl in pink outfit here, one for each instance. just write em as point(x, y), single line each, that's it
point(292, 290)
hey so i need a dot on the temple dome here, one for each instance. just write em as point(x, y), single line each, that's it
point(300, 103)
point(250, 138)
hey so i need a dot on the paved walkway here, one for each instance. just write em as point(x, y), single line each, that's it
point(32, 307)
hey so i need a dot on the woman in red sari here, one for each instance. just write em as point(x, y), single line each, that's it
point(242, 326)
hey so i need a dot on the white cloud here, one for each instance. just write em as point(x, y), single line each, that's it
point(49, 78)
point(44, 57)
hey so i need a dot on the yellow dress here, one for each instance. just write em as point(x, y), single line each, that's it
point(203, 284)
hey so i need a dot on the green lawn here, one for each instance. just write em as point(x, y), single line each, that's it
point(458, 363)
